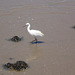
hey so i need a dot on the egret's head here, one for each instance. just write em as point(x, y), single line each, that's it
point(27, 24)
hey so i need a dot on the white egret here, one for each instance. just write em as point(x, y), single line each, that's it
point(34, 33)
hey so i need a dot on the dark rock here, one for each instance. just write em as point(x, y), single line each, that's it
point(18, 66)
point(15, 39)
point(73, 27)
point(8, 66)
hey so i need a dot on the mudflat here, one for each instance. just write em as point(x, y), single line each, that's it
point(55, 54)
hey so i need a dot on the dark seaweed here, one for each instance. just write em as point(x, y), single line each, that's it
point(15, 39)
point(18, 66)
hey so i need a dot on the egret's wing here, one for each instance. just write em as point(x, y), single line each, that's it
point(36, 33)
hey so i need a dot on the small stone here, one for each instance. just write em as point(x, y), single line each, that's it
point(11, 58)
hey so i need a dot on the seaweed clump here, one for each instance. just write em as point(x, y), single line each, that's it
point(73, 27)
point(18, 66)
point(15, 39)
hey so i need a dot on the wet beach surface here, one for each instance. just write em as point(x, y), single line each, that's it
point(55, 55)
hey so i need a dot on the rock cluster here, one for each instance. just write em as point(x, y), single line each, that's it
point(18, 66)
point(15, 39)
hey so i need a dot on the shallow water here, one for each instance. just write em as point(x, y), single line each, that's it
point(55, 18)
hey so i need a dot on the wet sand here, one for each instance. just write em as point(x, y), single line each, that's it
point(55, 18)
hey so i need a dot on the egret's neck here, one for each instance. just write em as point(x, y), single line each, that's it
point(28, 28)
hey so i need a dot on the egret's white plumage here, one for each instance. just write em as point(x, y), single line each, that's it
point(34, 33)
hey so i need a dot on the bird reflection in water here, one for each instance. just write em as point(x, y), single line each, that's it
point(35, 52)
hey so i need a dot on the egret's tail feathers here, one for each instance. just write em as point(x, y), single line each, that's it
point(42, 34)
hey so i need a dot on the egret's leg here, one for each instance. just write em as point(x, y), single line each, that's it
point(35, 39)
point(32, 41)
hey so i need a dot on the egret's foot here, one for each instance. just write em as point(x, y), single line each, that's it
point(34, 41)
